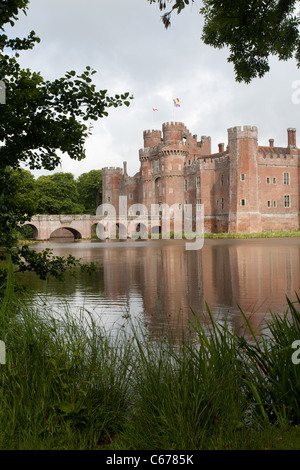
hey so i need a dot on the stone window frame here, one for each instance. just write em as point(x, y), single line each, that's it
point(269, 204)
point(185, 184)
point(286, 178)
point(287, 201)
point(243, 202)
point(198, 181)
point(274, 180)
point(243, 176)
point(268, 180)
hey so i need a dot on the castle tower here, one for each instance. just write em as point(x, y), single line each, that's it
point(111, 179)
point(244, 208)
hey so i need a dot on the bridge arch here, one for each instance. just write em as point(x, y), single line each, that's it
point(35, 230)
point(61, 232)
point(155, 231)
point(138, 229)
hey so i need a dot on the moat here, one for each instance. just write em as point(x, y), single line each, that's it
point(160, 283)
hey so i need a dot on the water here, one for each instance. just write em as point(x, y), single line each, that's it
point(158, 282)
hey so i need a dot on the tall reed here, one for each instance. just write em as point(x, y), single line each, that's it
point(68, 383)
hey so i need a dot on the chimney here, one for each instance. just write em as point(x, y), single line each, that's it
point(291, 137)
point(221, 148)
point(271, 142)
point(125, 168)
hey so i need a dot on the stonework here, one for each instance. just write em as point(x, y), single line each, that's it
point(244, 187)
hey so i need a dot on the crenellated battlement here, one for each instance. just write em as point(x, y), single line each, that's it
point(239, 132)
point(174, 125)
point(152, 132)
point(111, 170)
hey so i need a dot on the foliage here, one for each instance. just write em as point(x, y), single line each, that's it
point(16, 201)
point(57, 194)
point(90, 190)
point(252, 30)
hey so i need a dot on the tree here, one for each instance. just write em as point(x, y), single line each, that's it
point(253, 30)
point(16, 200)
point(40, 121)
point(90, 190)
point(57, 194)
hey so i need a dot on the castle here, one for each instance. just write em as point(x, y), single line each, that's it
point(243, 188)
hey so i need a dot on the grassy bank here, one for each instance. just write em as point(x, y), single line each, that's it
point(69, 384)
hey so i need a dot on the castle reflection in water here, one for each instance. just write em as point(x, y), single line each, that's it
point(255, 275)
point(161, 283)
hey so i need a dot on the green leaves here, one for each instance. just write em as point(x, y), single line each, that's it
point(252, 30)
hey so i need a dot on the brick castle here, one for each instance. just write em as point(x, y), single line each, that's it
point(244, 187)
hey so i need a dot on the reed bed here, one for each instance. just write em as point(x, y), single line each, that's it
point(68, 383)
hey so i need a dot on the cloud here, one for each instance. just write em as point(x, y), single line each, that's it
point(126, 43)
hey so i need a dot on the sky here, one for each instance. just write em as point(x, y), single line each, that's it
point(126, 43)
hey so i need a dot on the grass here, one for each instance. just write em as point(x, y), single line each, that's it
point(70, 384)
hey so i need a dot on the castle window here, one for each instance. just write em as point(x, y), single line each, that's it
point(170, 190)
point(275, 203)
point(186, 202)
point(108, 198)
point(286, 178)
point(179, 167)
point(179, 206)
point(287, 202)
point(274, 180)
point(222, 203)
point(130, 196)
point(185, 185)
point(269, 203)
point(189, 162)
point(198, 203)
point(198, 181)
point(222, 180)
point(268, 180)
point(243, 176)
point(243, 202)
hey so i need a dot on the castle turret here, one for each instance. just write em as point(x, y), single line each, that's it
point(111, 178)
point(151, 138)
point(244, 210)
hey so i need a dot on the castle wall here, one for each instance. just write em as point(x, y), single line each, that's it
point(243, 188)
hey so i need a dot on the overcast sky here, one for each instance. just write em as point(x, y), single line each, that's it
point(126, 43)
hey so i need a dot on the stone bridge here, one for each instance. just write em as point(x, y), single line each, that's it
point(81, 226)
